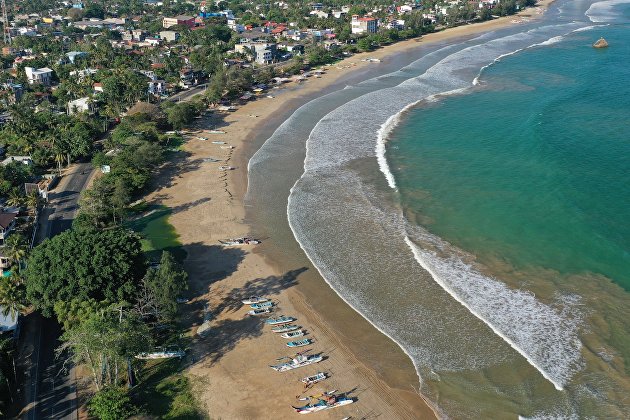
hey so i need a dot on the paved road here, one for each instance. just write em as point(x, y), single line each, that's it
point(187, 94)
point(50, 390)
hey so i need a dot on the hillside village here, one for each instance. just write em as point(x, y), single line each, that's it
point(114, 83)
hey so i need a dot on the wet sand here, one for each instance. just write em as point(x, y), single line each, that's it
point(229, 363)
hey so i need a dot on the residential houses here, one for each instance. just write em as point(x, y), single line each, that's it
point(184, 20)
point(42, 76)
point(362, 25)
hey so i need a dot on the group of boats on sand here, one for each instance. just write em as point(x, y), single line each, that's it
point(286, 328)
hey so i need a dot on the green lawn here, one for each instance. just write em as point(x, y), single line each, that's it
point(157, 233)
point(165, 392)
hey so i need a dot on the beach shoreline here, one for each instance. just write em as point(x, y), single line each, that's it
point(229, 365)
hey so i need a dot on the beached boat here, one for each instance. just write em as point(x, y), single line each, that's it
point(254, 299)
point(285, 328)
point(280, 320)
point(168, 354)
point(227, 147)
point(240, 241)
point(201, 138)
point(318, 396)
point(324, 404)
point(261, 305)
point(299, 343)
point(313, 379)
point(215, 131)
point(218, 142)
point(226, 168)
point(298, 362)
point(293, 334)
point(256, 312)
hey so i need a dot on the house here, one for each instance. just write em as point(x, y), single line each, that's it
point(261, 52)
point(362, 25)
point(169, 36)
point(26, 160)
point(43, 75)
point(13, 91)
point(73, 55)
point(7, 225)
point(320, 14)
point(98, 87)
point(158, 87)
point(189, 21)
point(80, 105)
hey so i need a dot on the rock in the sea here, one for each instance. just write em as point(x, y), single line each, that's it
point(601, 43)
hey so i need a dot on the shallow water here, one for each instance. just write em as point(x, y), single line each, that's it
point(496, 326)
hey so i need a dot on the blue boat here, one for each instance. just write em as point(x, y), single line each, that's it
point(280, 320)
point(299, 343)
point(261, 305)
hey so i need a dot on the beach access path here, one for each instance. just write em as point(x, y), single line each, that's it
point(229, 366)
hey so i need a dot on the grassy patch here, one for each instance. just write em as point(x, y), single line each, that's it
point(166, 393)
point(157, 233)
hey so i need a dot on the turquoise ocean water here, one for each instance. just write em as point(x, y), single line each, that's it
point(484, 227)
point(534, 166)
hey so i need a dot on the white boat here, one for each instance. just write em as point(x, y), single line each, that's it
point(226, 168)
point(293, 334)
point(161, 355)
point(313, 379)
point(254, 299)
point(285, 328)
point(227, 147)
point(280, 320)
point(298, 362)
point(201, 138)
point(324, 404)
point(215, 131)
point(263, 311)
point(217, 142)
point(240, 241)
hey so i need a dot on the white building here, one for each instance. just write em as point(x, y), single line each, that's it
point(43, 75)
point(362, 25)
point(80, 105)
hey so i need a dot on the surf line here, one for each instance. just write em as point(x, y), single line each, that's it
point(559, 386)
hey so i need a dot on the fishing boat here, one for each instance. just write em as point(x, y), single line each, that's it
point(328, 402)
point(167, 354)
point(313, 379)
point(297, 362)
point(226, 168)
point(280, 320)
point(227, 147)
point(218, 142)
point(254, 299)
point(201, 138)
point(261, 305)
point(240, 241)
point(318, 396)
point(215, 131)
point(256, 312)
point(299, 343)
point(293, 334)
point(285, 328)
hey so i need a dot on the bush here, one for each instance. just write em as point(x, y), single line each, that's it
point(111, 403)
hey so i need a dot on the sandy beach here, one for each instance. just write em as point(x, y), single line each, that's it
point(230, 360)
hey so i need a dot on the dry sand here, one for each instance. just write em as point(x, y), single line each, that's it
point(229, 366)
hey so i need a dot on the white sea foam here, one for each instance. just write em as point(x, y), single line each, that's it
point(359, 129)
point(604, 11)
point(545, 336)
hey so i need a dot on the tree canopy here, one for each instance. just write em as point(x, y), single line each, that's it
point(84, 264)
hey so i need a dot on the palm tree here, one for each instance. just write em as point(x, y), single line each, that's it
point(32, 200)
point(17, 249)
point(15, 198)
point(12, 296)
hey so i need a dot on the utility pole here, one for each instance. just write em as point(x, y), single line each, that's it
point(5, 24)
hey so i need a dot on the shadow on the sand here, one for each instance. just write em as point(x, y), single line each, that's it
point(224, 335)
point(208, 264)
point(267, 286)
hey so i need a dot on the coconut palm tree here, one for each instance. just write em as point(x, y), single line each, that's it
point(15, 198)
point(16, 249)
point(12, 295)
point(32, 200)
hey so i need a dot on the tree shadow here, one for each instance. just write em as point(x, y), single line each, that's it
point(207, 264)
point(267, 286)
